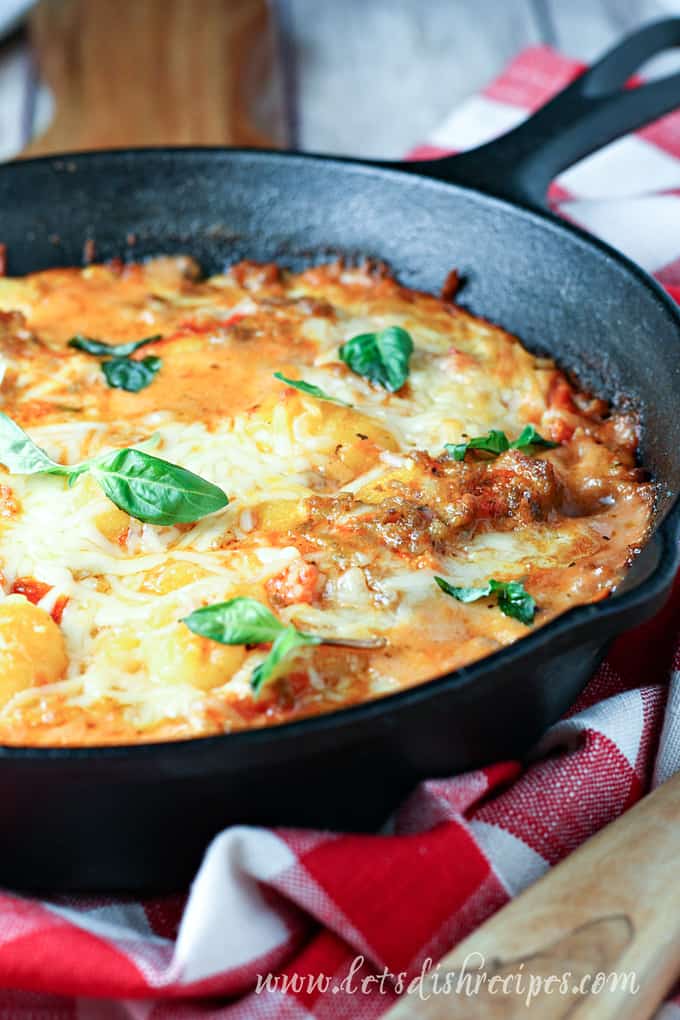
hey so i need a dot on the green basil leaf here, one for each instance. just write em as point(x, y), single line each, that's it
point(529, 438)
point(20, 455)
point(146, 487)
point(382, 357)
point(154, 490)
point(456, 451)
point(284, 647)
point(133, 376)
point(310, 389)
point(463, 594)
point(494, 442)
point(513, 598)
point(103, 350)
point(245, 621)
point(240, 621)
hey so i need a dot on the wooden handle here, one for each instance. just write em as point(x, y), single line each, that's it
point(157, 72)
point(613, 906)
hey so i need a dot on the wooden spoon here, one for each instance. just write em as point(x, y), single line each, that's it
point(613, 906)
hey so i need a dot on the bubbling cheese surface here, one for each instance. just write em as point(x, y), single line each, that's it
point(339, 518)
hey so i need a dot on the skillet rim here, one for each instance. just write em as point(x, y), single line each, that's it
point(570, 623)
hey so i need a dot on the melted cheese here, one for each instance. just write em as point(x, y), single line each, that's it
point(339, 518)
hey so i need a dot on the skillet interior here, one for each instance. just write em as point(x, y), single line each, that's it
point(560, 292)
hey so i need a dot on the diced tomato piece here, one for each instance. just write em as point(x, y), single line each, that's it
point(35, 591)
point(209, 325)
point(560, 395)
point(59, 607)
point(296, 583)
point(560, 431)
point(233, 319)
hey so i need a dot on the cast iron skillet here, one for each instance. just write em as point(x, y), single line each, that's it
point(139, 817)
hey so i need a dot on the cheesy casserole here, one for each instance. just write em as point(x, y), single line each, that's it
point(251, 498)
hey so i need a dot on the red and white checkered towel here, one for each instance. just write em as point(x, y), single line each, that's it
point(300, 904)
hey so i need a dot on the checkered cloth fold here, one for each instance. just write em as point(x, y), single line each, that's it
point(301, 904)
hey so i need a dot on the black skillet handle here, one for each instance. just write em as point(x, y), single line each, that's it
point(591, 112)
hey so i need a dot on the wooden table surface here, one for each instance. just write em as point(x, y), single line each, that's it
point(375, 77)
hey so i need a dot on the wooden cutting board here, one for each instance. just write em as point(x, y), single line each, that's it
point(158, 72)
